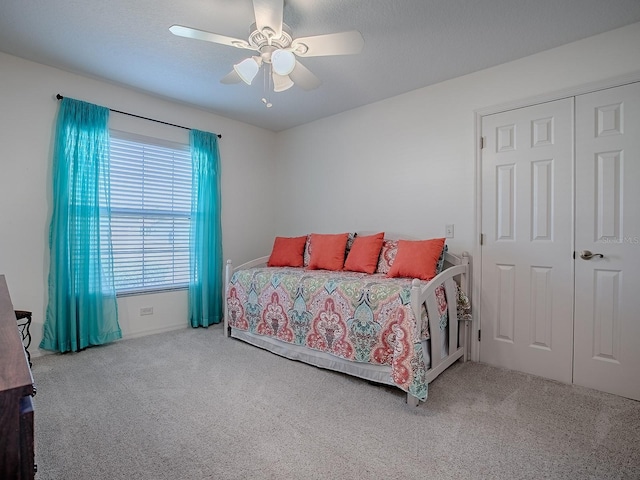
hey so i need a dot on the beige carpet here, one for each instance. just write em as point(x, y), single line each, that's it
point(191, 404)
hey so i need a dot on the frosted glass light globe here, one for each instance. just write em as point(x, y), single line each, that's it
point(247, 70)
point(283, 62)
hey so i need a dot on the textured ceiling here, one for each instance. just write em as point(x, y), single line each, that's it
point(408, 44)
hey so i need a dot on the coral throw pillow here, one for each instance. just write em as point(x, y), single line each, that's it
point(417, 258)
point(364, 253)
point(327, 251)
point(287, 252)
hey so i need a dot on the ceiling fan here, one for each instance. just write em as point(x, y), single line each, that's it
point(271, 38)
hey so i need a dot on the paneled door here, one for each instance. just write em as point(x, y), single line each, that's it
point(527, 256)
point(607, 307)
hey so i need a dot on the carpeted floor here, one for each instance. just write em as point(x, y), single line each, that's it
point(190, 404)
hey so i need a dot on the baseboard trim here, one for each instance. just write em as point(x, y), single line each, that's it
point(38, 352)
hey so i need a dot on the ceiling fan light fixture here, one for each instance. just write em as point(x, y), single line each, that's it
point(273, 40)
point(247, 69)
point(283, 62)
point(281, 82)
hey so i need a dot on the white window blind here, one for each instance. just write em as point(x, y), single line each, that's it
point(150, 192)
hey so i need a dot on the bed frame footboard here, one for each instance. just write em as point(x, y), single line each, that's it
point(457, 328)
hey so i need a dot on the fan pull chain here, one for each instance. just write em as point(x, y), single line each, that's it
point(266, 102)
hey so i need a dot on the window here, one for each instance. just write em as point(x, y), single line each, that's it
point(150, 191)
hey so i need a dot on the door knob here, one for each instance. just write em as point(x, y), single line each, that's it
point(587, 255)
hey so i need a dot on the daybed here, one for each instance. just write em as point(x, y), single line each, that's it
point(362, 324)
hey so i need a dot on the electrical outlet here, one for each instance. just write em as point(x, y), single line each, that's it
point(448, 231)
point(146, 311)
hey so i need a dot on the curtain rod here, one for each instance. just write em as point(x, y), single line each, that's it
point(60, 97)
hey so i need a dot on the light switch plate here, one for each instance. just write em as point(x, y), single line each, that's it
point(448, 231)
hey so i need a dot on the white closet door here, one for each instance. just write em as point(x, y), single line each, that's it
point(527, 265)
point(607, 309)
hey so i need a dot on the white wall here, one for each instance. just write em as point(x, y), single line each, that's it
point(406, 164)
point(27, 118)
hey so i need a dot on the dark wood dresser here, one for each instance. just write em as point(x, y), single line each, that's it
point(16, 390)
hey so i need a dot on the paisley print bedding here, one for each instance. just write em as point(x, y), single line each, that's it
point(355, 316)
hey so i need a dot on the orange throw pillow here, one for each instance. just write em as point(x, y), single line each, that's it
point(327, 251)
point(287, 252)
point(364, 253)
point(417, 258)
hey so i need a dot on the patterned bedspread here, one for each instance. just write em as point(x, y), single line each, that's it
point(355, 316)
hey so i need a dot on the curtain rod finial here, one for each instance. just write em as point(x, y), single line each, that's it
point(59, 97)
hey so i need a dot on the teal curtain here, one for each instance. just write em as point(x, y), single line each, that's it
point(82, 309)
point(205, 285)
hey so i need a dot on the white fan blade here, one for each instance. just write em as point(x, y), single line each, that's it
point(343, 43)
point(188, 32)
point(269, 15)
point(303, 77)
point(230, 78)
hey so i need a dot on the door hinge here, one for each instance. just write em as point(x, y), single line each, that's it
point(479, 335)
point(482, 143)
point(482, 239)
